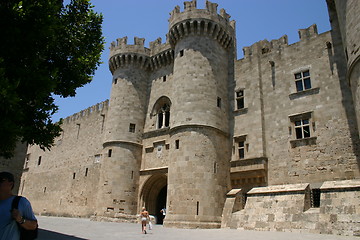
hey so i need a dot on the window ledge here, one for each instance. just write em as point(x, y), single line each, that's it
point(303, 142)
point(307, 92)
point(240, 111)
point(157, 132)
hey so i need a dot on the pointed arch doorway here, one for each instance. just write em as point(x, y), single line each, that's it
point(153, 195)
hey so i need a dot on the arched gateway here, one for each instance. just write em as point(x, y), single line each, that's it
point(153, 195)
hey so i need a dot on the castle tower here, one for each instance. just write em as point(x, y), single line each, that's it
point(198, 171)
point(345, 22)
point(119, 175)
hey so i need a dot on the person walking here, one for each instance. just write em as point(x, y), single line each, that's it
point(144, 216)
point(11, 220)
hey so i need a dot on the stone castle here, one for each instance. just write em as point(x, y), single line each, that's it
point(266, 142)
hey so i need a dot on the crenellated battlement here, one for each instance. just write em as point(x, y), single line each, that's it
point(191, 11)
point(121, 54)
point(265, 46)
point(308, 33)
point(121, 46)
point(161, 54)
point(201, 22)
point(157, 46)
point(97, 108)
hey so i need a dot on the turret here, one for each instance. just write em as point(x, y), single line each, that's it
point(345, 19)
point(124, 125)
point(198, 173)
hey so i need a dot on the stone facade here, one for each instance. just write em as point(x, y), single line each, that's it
point(266, 142)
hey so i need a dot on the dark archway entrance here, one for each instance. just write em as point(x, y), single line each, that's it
point(153, 195)
point(160, 204)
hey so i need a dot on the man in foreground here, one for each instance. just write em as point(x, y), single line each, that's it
point(11, 220)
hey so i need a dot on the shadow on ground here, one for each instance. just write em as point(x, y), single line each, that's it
point(49, 235)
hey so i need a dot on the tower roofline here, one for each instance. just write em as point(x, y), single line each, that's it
point(210, 13)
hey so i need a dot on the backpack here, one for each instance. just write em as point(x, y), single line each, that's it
point(24, 233)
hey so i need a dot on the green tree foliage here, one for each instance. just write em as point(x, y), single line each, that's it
point(47, 48)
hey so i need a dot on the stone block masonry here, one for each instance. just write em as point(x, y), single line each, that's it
point(267, 142)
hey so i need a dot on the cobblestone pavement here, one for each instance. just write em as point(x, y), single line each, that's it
point(56, 228)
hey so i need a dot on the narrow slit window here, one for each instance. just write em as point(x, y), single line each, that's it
point(177, 144)
point(109, 152)
point(86, 172)
point(74, 175)
point(197, 207)
point(78, 130)
point(218, 102)
point(102, 122)
point(164, 78)
point(39, 161)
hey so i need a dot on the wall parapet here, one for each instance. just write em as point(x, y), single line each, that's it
point(264, 46)
point(201, 21)
point(191, 11)
point(121, 46)
point(97, 108)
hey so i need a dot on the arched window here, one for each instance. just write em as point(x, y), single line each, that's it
point(161, 110)
point(163, 116)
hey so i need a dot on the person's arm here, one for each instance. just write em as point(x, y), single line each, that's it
point(25, 223)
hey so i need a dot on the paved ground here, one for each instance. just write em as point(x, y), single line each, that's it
point(55, 228)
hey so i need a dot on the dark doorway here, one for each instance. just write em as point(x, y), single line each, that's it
point(160, 204)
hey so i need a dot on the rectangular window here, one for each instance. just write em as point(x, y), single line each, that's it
point(132, 127)
point(164, 78)
point(302, 128)
point(315, 197)
point(177, 144)
point(239, 99)
point(86, 172)
point(109, 152)
point(241, 149)
point(302, 80)
point(181, 53)
point(74, 175)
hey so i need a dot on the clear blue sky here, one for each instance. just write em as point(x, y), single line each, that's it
point(255, 20)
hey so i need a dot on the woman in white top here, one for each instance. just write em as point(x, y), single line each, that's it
point(144, 215)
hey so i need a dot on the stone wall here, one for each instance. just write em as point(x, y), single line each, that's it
point(112, 160)
point(288, 208)
point(65, 180)
point(267, 76)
